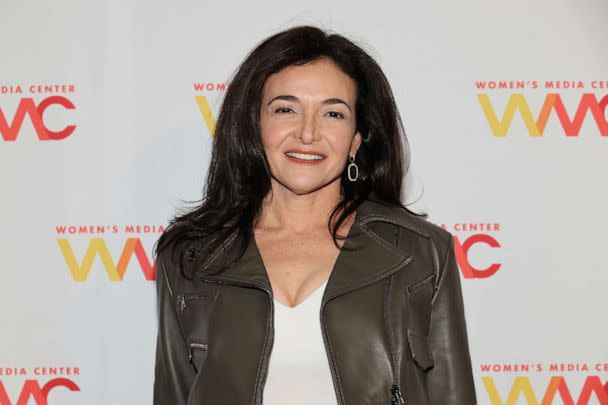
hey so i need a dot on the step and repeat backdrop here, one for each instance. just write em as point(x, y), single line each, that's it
point(107, 111)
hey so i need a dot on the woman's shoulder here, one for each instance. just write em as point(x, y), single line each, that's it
point(430, 228)
point(181, 257)
point(406, 219)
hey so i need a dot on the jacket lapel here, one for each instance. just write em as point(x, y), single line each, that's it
point(371, 259)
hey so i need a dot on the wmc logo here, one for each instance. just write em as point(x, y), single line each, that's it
point(115, 269)
point(567, 383)
point(556, 391)
point(471, 236)
point(33, 385)
point(35, 112)
point(589, 106)
point(462, 253)
point(571, 124)
point(87, 243)
point(32, 391)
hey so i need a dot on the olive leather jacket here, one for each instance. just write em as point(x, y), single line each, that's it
point(392, 321)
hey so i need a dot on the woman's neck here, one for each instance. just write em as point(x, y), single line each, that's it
point(299, 213)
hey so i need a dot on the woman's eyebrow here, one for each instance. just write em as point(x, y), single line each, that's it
point(329, 101)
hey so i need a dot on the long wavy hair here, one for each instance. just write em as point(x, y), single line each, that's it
point(238, 177)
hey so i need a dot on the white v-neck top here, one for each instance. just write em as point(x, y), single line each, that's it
point(298, 368)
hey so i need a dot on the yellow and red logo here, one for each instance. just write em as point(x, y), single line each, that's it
point(588, 104)
point(96, 247)
point(557, 388)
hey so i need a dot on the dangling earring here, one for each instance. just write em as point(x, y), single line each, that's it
point(352, 164)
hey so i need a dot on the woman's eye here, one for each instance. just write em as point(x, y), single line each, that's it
point(336, 114)
point(283, 109)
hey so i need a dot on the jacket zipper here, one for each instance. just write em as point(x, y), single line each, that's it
point(396, 397)
point(181, 299)
point(195, 346)
point(267, 348)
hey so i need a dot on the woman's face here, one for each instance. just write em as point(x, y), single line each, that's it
point(308, 109)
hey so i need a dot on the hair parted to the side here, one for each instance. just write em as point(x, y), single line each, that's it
point(238, 178)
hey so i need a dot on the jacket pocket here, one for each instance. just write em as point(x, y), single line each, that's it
point(194, 313)
point(197, 353)
point(420, 295)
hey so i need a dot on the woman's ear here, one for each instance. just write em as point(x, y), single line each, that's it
point(356, 143)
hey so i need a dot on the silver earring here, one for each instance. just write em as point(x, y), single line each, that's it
point(351, 165)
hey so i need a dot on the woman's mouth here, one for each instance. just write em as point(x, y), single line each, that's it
point(304, 157)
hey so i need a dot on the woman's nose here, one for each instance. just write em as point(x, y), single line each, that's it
point(309, 129)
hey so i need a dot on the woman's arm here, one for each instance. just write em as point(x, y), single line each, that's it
point(173, 374)
point(450, 381)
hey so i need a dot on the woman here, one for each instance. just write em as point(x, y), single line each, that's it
point(301, 278)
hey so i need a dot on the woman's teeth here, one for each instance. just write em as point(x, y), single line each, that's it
point(304, 156)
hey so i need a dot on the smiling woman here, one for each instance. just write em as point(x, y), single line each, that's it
point(308, 126)
point(301, 278)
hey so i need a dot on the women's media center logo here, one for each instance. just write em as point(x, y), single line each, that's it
point(581, 98)
point(81, 245)
point(23, 386)
point(34, 107)
point(568, 383)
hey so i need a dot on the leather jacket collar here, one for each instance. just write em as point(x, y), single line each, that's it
point(347, 274)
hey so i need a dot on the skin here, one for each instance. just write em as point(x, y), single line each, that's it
point(292, 234)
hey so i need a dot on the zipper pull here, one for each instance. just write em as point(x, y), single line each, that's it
point(181, 301)
point(396, 397)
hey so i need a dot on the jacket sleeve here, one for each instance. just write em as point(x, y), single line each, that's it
point(173, 374)
point(451, 380)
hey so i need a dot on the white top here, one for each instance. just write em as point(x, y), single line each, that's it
point(298, 368)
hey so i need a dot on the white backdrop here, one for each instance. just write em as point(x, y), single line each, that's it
point(135, 78)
